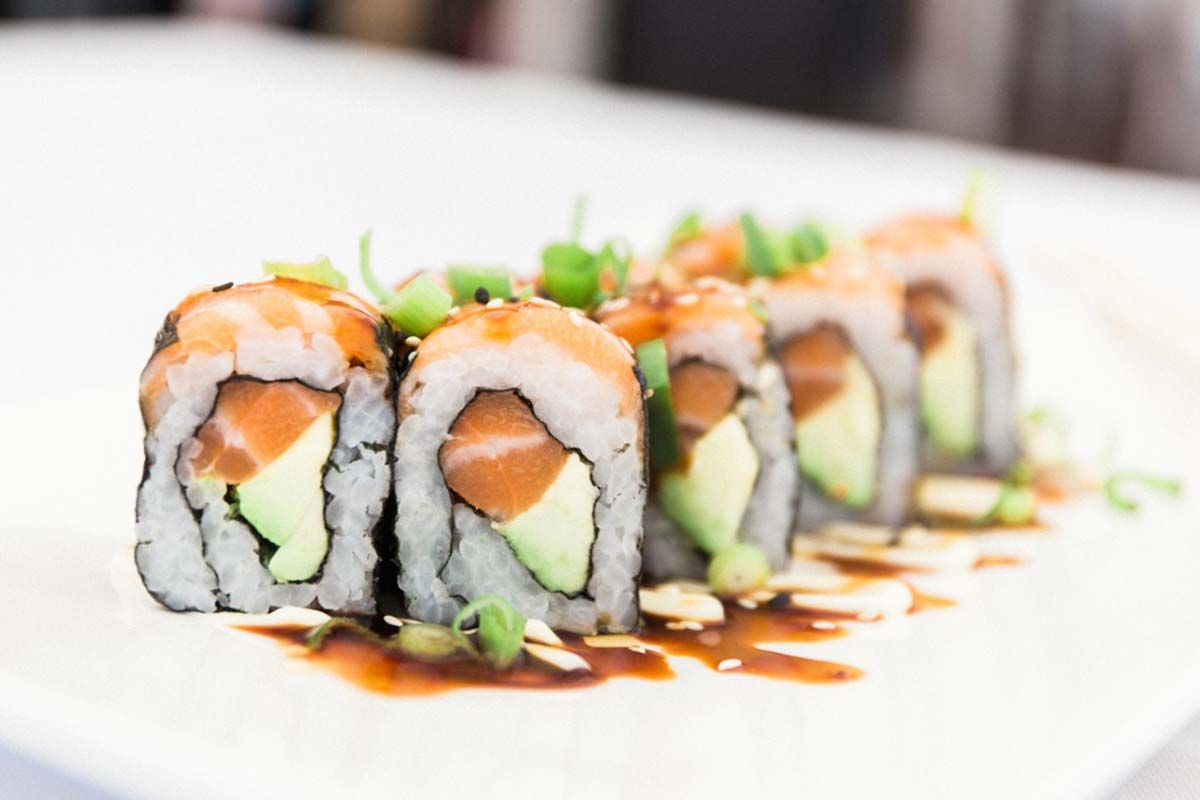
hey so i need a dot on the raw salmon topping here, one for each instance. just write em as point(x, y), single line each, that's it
point(253, 424)
point(499, 457)
point(715, 252)
point(927, 308)
point(701, 395)
point(814, 364)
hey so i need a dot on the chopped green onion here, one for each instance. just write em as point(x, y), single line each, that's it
point(466, 280)
point(427, 642)
point(374, 286)
point(687, 228)
point(738, 569)
point(761, 253)
point(319, 271)
point(571, 274)
point(419, 307)
point(501, 631)
point(1015, 506)
point(664, 437)
point(577, 218)
point(758, 310)
point(809, 243)
point(608, 259)
point(1113, 488)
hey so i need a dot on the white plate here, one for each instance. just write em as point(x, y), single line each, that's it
point(144, 162)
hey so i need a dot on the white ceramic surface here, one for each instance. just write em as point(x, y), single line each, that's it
point(141, 162)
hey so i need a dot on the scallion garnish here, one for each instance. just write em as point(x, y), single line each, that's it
point(761, 256)
point(1015, 505)
point(419, 307)
point(686, 229)
point(664, 436)
point(1113, 488)
point(501, 630)
point(465, 280)
point(319, 271)
point(374, 286)
point(809, 243)
point(571, 274)
point(738, 569)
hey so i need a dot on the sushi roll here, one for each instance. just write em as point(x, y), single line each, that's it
point(269, 412)
point(957, 299)
point(520, 468)
point(839, 327)
point(722, 445)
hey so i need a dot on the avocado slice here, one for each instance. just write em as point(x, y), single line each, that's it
point(838, 442)
point(553, 537)
point(285, 503)
point(708, 497)
point(950, 385)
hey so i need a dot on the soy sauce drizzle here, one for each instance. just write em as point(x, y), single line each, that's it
point(732, 647)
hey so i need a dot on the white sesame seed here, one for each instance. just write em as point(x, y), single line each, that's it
point(746, 602)
point(454, 310)
point(824, 625)
point(576, 319)
point(412, 355)
point(691, 625)
point(728, 664)
point(412, 341)
point(395, 622)
point(691, 298)
point(648, 394)
point(616, 305)
point(676, 626)
point(495, 302)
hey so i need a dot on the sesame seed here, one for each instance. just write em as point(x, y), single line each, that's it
point(648, 394)
point(454, 310)
point(691, 298)
point(728, 664)
point(747, 603)
point(676, 626)
point(824, 625)
point(413, 341)
point(412, 355)
point(576, 319)
point(692, 625)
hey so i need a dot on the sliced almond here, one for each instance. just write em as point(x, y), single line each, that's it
point(678, 605)
point(958, 498)
point(613, 640)
point(877, 599)
point(284, 617)
point(859, 533)
point(728, 664)
point(558, 658)
point(540, 632)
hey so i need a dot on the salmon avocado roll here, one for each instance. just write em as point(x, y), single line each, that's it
point(957, 299)
point(520, 467)
point(268, 411)
point(721, 437)
point(850, 367)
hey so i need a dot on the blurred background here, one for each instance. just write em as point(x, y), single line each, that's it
point(1110, 81)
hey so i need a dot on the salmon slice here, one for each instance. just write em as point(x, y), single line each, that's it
point(918, 234)
point(716, 252)
point(814, 364)
point(210, 322)
point(499, 457)
point(254, 423)
point(578, 338)
point(657, 313)
point(927, 307)
point(701, 396)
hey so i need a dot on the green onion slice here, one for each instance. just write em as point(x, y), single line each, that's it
point(466, 280)
point(1113, 488)
point(319, 271)
point(571, 274)
point(374, 285)
point(686, 229)
point(809, 243)
point(419, 307)
point(615, 257)
point(761, 253)
point(1015, 506)
point(501, 631)
point(664, 437)
point(738, 569)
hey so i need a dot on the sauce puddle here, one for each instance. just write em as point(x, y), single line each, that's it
point(733, 647)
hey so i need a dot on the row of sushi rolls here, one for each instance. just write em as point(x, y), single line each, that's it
point(615, 440)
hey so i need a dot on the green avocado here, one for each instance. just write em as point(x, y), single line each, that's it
point(553, 537)
point(838, 443)
point(708, 497)
point(950, 387)
point(285, 503)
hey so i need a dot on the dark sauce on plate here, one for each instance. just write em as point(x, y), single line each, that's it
point(371, 665)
